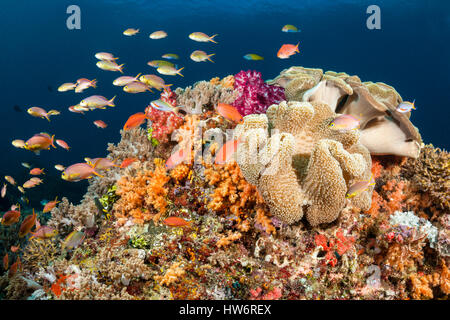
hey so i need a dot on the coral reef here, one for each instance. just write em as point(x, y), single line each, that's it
point(241, 235)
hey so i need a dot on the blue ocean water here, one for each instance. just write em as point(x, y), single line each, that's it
point(38, 53)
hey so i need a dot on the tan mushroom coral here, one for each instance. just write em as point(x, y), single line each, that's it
point(383, 129)
point(304, 166)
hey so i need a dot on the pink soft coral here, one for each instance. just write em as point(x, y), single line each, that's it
point(255, 96)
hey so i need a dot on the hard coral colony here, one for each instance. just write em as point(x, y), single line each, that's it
point(276, 221)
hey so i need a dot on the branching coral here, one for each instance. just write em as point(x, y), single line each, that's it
point(306, 165)
point(204, 96)
point(423, 284)
point(227, 82)
point(255, 96)
point(172, 275)
point(430, 173)
point(142, 196)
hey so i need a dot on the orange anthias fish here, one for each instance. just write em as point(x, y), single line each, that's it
point(27, 225)
point(135, 120)
point(358, 187)
point(37, 171)
point(50, 205)
point(6, 262)
point(62, 144)
point(287, 50)
point(176, 158)
point(14, 267)
point(101, 163)
point(14, 248)
point(226, 152)
point(100, 124)
point(126, 162)
point(176, 222)
point(229, 112)
point(40, 141)
point(10, 217)
point(3, 192)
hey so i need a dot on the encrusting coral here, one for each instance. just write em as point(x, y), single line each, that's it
point(306, 166)
point(383, 129)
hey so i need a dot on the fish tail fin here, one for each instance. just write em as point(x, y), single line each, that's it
point(413, 106)
point(53, 141)
point(120, 68)
point(94, 83)
point(178, 71)
point(111, 102)
point(296, 47)
point(212, 37)
point(210, 55)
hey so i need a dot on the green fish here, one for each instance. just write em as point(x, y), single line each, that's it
point(170, 56)
point(160, 63)
point(252, 56)
point(290, 28)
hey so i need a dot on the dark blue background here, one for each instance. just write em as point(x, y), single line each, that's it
point(410, 52)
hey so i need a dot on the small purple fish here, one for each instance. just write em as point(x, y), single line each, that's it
point(44, 232)
point(406, 106)
point(345, 122)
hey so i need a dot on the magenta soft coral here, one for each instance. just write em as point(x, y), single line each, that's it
point(255, 96)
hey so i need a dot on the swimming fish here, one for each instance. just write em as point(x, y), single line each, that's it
point(79, 171)
point(67, 87)
point(160, 63)
point(154, 81)
point(229, 112)
point(163, 106)
point(78, 109)
point(10, 217)
point(124, 80)
point(177, 157)
point(73, 240)
point(50, 205)
point(31, 183)
point(84, 83)
point(59, 167)
point(97, 102)
point(158, 35)
point(3, 192)
point(253, 56)
point(287, 50)
point(40, 141)
point(406, 106)
point(226, 152)
point(358, 187)
point(201, 37)
point(345, 122)
point(18, 143)
point(170, 56)
point(200, 56)
point(101, 163)
point(26, 165)
point(109, 66)
point(100, 124)
point(135, 120)
point(176, 222)
point(131, 32)
point(27, 225)
point(37, 171)
point(6, 262)
point(10, 180)
point(169, 71)
point(14, 267)
point(44, 232)
point(14, 248)
point(126, 162)
point(62, 144)
point(290, 28)
point(41, 113)
point(136, 87)
point(105, 56)
point(22, 190)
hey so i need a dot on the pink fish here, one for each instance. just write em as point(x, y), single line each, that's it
point(44, 232)
point(94, 102)
point(62, 144)
point(36, 171)
point(79, 171)
point(3, 193)
point(100, 124)
point(102, 163)
point(345, 122)
point(40, 141)
point(83, 84)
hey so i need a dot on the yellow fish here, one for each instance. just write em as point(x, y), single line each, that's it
point(201, 37)
point(169, 71)
point(131, 32)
